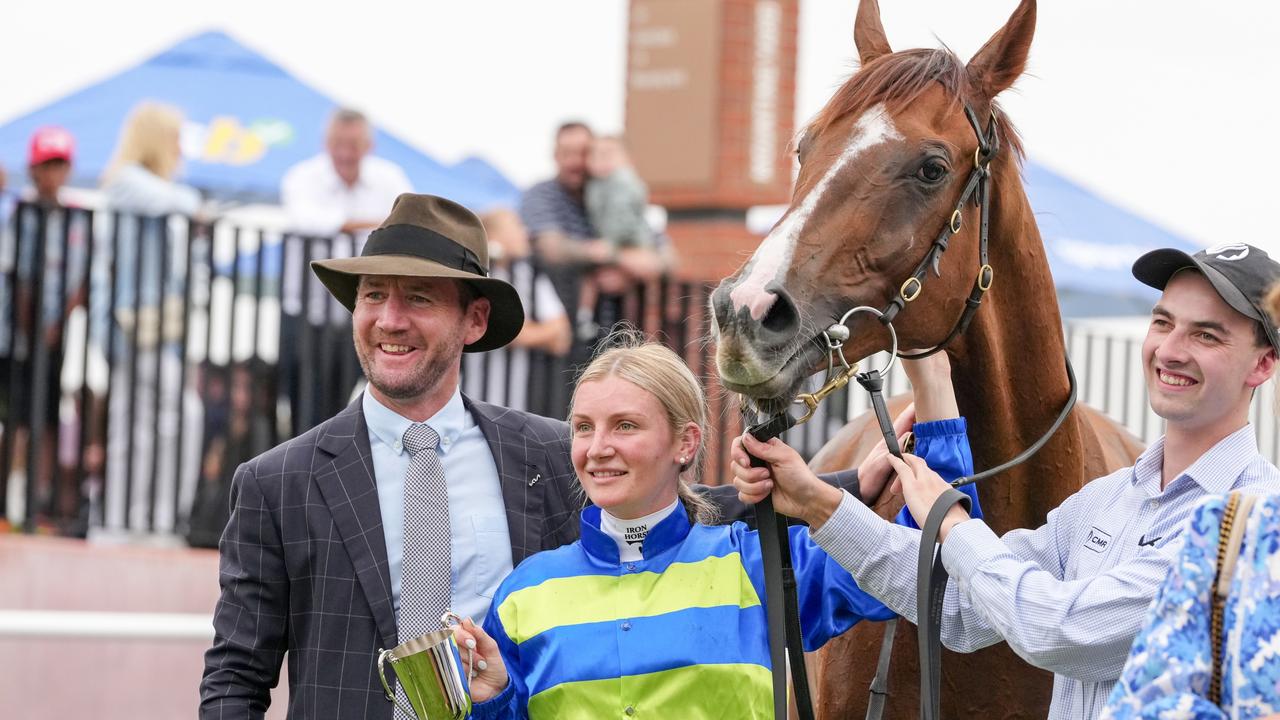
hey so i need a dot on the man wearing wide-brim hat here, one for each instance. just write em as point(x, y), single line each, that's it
point(360, 533)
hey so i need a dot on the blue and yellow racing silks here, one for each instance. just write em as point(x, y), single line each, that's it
point(679, 634)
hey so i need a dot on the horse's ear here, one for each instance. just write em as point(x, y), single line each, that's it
point(868, 32)
point(999, 63)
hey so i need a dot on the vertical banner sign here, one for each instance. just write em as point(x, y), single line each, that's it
point(672, 91)
point(763, 153)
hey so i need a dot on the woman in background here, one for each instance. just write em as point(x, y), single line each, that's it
point(148, 155)
point(149, 272)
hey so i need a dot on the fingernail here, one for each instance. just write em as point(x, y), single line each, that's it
point(482, 665)
point(471, 644)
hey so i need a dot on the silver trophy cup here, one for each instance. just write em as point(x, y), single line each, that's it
point(429, 667)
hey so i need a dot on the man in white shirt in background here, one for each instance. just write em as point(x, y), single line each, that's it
point(332, 200)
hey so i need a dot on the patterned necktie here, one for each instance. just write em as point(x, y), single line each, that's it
point(425, 584)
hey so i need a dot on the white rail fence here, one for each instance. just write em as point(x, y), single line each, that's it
point(105, 625)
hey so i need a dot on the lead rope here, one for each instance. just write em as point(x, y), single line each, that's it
point(782, 608)
point(931, 593)
point(873, 383)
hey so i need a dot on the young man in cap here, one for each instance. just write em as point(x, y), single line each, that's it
point(49, 165)
point(1071, 595)
point(33, 354)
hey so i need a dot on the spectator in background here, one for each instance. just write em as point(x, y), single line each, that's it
point(344, 189)
point(147, 158)
point(33, 354)
point(149, 274)
point(235, 398)
point(616, 200)
point(332, 200)
point(553, 211)
point(616, 197)
point(564, 238)
point(512, 376)
point(49, 166)
point(6, 200)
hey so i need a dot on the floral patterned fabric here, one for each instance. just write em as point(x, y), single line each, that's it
point(1168, 671)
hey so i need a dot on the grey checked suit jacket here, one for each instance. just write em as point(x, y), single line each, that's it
point(304, 562)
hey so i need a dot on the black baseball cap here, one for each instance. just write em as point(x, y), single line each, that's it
point(1241, 273)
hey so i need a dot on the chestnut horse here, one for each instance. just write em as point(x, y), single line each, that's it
point(882, 167)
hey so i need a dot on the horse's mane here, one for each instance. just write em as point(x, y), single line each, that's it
point(897, 80)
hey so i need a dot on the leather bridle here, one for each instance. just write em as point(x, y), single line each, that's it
point(978, 189)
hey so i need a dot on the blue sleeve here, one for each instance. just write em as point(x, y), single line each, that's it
point(513, 702)
point(830, 601)
point(1168, 670)
point(944, 445)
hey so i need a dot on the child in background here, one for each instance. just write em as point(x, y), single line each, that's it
point(615, 199)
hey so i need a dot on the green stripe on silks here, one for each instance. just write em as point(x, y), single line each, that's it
point(560, 602)
point(738, 691)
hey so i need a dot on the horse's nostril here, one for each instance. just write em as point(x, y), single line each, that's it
point(721, 306)
point(782, 318)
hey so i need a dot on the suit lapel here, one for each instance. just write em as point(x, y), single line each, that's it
point(344, 474)
point(522, 469)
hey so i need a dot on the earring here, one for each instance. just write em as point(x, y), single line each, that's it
point(684, 461)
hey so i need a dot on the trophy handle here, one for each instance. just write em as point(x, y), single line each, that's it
point(382, 675)
point(448, 620)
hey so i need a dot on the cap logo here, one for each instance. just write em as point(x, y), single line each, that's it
point(1228, 251)
point(56, 142)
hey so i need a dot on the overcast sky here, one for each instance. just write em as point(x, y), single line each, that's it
point(1166, 107)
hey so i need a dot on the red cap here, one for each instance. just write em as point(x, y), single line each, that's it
point(51, 143)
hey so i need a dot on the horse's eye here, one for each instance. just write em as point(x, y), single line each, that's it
point(801, 146)
point(932, 171)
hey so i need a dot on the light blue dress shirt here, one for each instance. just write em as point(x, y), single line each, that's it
point(1071, 595)
point(480, 542)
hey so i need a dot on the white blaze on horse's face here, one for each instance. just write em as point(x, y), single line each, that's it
point(772, 258)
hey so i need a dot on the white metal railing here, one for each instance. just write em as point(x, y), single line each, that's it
point(105, 625)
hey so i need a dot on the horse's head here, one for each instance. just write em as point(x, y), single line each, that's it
point(882, 168)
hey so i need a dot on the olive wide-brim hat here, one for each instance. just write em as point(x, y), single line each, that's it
point(429, 236)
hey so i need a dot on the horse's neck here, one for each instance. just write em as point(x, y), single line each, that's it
point(1010, 373)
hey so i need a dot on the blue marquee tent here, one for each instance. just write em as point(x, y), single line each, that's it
point(1091, 245)
point(248, 122)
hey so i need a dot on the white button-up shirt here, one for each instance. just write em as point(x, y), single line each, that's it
point(1069, 596)
point(318, 204)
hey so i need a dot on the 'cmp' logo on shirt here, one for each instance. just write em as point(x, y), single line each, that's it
point(1097, 540)
point(634, 533)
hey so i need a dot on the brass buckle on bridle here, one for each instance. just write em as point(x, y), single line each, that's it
point(813, 399)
